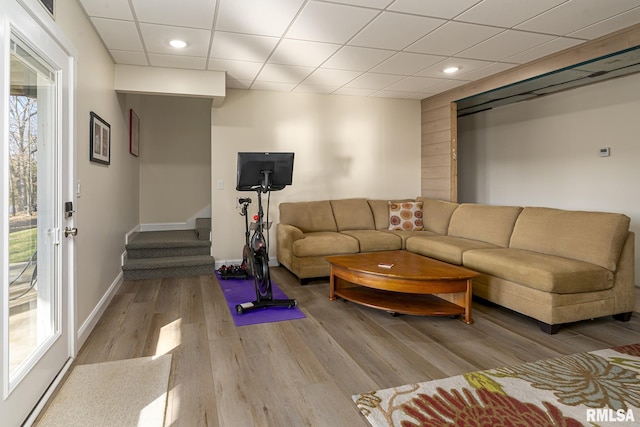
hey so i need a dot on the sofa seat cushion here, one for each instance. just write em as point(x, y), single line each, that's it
point(404, 235)
point(374, 240)
point(324, 243)
point(547, 273)
point(445, 248)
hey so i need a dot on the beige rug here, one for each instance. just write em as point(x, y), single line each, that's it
point(122, 393)
point(599, 388)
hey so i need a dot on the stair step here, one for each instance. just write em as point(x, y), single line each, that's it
point(153, 268)
point(166, 239)
point(176, 253)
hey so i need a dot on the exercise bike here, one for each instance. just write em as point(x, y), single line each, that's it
point(256, 255)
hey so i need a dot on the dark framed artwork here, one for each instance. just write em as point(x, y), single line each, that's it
point(100, 137)
point(134, 133)
point(49, 5)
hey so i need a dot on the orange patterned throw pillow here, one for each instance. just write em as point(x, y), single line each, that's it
point(405, 216)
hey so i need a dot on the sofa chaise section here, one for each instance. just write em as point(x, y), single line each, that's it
point(561, 266)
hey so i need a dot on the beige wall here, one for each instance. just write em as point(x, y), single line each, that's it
point(108, 204)
point(344, 147)
point(438, 123)
point(544, 152)
point(175, 158)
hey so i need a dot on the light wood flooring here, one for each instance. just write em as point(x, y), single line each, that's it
point(304, 372)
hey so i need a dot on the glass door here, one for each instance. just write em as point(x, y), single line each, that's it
point(35, 328)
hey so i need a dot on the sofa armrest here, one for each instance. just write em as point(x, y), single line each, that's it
point(285, 236)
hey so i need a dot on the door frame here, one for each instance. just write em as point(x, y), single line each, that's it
point(46, 26)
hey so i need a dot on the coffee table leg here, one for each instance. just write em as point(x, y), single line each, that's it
point(467, 304)
point(332, 286)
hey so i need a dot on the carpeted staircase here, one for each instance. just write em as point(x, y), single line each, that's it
point(157, 254)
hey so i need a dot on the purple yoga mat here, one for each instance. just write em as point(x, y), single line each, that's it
point(238, 291)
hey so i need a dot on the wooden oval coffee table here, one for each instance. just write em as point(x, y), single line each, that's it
point(414, 284)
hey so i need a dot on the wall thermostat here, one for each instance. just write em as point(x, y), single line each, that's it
point(604, 152)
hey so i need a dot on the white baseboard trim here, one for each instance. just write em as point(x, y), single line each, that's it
point(96, 313)
point(130, 232)
point(189, 224)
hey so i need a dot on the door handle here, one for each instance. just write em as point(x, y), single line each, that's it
point(70, 231)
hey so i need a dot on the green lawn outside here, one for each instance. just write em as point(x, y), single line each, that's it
point(22, 244)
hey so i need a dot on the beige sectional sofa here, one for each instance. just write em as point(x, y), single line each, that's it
point(556, 266)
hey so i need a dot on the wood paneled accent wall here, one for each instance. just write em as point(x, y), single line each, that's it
point(439, 121)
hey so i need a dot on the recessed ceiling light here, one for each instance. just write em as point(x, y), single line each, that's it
point(451, 70)
point(178, 44)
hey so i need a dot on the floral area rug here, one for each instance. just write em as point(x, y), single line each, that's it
point(599, 388)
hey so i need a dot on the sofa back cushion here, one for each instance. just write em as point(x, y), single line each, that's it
point(491, 224)
point(595, 237)
point(436, 214)
point(352, 214)
point(308, 216)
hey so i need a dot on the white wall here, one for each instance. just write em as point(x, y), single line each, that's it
point(108, 204)
point(344, 147)
point(175, 157)
point(545, 152)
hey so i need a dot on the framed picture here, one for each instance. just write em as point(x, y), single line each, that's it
point(134, 133)
point(100, 149)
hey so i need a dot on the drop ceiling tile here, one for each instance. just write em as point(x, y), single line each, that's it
point(242, 47)
point(157, 37)
point(555, 45)
point(301, 52)
point(188, 13)
point(357, 58)
point(266, 18)
point(237, 70)
point(400, 94)
point(392, 30)
point(406, 63)
point(329, 22)
point(279, 87)
point(119, 35)
point(329, 77)
point(129, 58)
point(378, 4)
point(415, 84)
point(608, 26)
point(437, 8)
point(350, 91)
point(114, 9)
point(465, 65)
point(447, 85)
point(174, 61)
point(506, 44)
point(453, 37)
point(506, 13)
point(373, 81)
point(487, 71)
point(238, 84)
point(574, 15)
point(315, 89)
point(283, 73)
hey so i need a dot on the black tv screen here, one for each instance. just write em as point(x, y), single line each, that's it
point(252, 167)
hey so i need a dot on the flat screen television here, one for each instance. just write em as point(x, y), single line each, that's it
point(254, 168)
